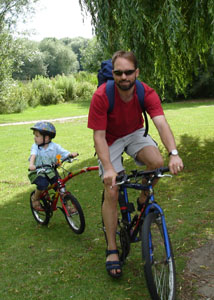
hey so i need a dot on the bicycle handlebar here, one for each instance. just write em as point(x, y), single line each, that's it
point(69, 159)
point(156, 173)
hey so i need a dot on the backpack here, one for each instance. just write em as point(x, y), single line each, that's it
point(105, 75)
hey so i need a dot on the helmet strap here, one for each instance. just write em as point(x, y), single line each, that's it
point(44, 143)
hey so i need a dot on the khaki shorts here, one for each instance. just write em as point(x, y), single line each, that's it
point(131, 144)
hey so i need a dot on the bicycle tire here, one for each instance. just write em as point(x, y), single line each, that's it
point(41, 216)
point(76, 220)
point(159, 271)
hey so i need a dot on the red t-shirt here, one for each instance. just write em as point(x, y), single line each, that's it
point(125, 117)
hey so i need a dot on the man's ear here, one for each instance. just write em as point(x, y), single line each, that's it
point(137, 72)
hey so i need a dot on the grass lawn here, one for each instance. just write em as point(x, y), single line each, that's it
point(52, 262)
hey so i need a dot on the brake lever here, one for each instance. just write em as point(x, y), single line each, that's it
point(121, 182)
point(164, 175)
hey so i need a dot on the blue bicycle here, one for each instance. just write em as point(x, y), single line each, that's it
point(149, 227)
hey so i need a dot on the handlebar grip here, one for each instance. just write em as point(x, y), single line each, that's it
point(119, 178)
point(164, 169)
point(68, 158)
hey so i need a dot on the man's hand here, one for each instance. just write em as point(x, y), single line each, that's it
point(110, 177)
point(175, 164)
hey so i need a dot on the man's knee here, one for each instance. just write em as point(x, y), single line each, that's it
point(156, 163)
point(151, 157)
point(111, 194)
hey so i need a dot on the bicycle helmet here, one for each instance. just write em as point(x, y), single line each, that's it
point(45, 128)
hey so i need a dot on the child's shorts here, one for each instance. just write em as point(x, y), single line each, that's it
point(43, 182)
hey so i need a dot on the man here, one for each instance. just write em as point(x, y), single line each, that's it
point(122, 130)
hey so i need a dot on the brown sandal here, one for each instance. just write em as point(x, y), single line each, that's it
point(36, 203)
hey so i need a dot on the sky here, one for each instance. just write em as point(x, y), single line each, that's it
point(59, 19)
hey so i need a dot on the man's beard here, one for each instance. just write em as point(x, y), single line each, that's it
point(125, 87)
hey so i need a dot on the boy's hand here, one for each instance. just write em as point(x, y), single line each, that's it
point(74, 154)
point(32, 168)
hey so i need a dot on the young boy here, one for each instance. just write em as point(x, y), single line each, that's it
point(43, 152)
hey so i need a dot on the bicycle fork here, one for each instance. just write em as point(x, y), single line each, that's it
point(158, 210)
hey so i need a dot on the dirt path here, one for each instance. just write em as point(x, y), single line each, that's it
point(51, 120)
point(200, 273)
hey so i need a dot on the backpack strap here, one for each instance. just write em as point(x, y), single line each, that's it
point(110, 94)
point(140, 94)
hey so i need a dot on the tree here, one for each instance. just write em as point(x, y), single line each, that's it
point(60, 59)
point(170, 38)
point(31, 61)
point(10, 11)
point(76, 44)
point(92, 56)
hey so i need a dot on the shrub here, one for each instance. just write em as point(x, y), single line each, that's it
point(66, 86)
point(86, 77)
point(12, 97)
point(46, 91)
point(84, 90)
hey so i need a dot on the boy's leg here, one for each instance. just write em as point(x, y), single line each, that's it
point(42, 184)
point(35, 199)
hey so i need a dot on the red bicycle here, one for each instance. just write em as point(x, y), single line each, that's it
point(70, 206)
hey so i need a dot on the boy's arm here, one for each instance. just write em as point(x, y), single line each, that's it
point(32, 166)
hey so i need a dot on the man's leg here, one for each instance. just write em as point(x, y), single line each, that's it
point(151, 157)
point(110, 217)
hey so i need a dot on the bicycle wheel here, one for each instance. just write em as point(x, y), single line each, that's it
point(41, 216)
point(75, 219)
point(159, 270)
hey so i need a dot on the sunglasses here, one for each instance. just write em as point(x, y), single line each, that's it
point(120, 73)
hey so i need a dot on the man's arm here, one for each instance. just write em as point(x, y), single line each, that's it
point(102, 150)
point(167, 138)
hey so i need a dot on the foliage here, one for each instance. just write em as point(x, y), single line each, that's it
point(92, 55)
point(11, 10)
point(86, 76)
point(203, 83)
point(47, 91)
point(6, 56)
point(16, 96)
point(76, 44)
point(12, 97)
point(170, 38)
point(84, 90)
point(59, 58)
point(31, 61)
point(66, 86)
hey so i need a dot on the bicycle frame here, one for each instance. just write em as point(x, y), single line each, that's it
point(151, 205)
point(60, 186)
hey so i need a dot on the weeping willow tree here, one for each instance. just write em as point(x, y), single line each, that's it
point(170, 38)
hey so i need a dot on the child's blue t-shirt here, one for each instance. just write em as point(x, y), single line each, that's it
point(48, 156)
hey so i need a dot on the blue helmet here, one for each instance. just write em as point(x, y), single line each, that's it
point(45, 128)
